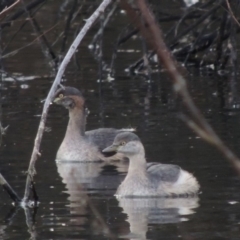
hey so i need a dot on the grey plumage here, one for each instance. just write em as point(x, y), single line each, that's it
point(163, 172)
point(126, 137)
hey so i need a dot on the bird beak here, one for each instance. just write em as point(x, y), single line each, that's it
point(112, 148)
point(56, 100)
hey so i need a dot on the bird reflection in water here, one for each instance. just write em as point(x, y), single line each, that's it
point(144, 211)
point(84, 178)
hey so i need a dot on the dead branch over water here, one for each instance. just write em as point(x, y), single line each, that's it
point(36, 150)
point(61, 70)
point(151, 31)
point(29, 183)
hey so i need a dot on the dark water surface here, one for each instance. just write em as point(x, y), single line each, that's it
point(65, 189)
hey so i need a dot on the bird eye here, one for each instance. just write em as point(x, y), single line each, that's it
point(60, 95)
point(122, 143)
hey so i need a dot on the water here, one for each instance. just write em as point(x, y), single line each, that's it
point(72, 195)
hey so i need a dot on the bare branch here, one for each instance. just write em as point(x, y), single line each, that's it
point(66, 60)
point(3, 12)
point(231, 13)
point(151, 31)
point(10, 54)
point(45, 45)
point(19, 13)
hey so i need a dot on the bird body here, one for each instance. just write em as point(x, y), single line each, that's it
point(77, 144)
point(150, 179)
point(87, 147)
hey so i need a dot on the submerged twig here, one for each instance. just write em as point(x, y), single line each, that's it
point(8, 219)
point(30, 221)
point(66, 60)
point(6, 186)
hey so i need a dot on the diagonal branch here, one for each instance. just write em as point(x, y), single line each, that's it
point(13, 195)
point(7, 9)
point(20, 12)
point(153, 35)
point(66, 60)
point(231, 13)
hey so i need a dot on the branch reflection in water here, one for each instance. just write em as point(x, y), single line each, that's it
point(84, 178)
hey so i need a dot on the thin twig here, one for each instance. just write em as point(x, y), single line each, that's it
point(175, 41)
point(73, 18)
point(2, 131)
point(46, 47)
point(219, 44)
point(68, 25)
point(3, 12)
point(6, 186)
point(105, 22)
point(33, 12)
point(231, 13)
point(8, 219)
point(19, 13)
point(29, 44)
point(66, 60)
point(191, 11)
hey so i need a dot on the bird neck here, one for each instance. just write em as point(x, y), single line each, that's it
point(137, 164)
point(77, 123)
